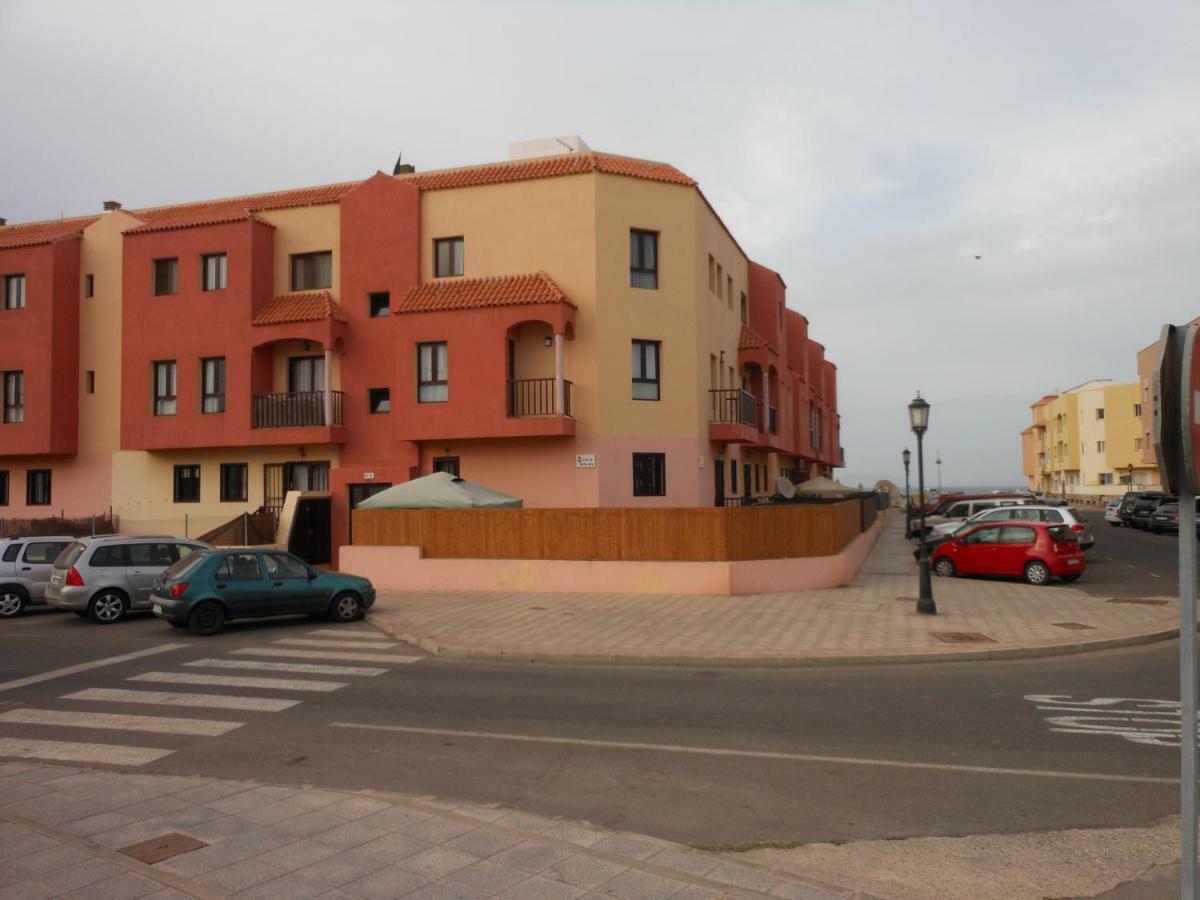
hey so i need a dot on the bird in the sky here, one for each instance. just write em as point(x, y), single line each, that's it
point(979, 257)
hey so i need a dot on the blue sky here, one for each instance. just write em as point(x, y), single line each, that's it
point(866, 150)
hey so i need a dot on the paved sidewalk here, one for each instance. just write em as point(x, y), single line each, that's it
point(872, 620)
point(62, 832)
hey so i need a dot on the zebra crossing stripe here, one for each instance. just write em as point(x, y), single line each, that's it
point(70, 751)
point(298, 668)
point(347, 645)
point(326, 654)
point(119, 722)
point(195, 701)
point(348, 633)
point(274, 684)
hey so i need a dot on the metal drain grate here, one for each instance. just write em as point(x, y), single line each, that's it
point(1075, 625)
point(962, 637)
point(157, 849)
point(1141, 601)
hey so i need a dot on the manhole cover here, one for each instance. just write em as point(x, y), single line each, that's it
point(1141, 601)
point(157, 849)
point(962, 637)
point(1075, 625)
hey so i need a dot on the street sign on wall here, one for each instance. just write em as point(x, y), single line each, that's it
point(1168, 378)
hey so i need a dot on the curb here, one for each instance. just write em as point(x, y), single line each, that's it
point(404, 632)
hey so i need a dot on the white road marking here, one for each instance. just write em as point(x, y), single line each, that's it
point(70, 751)
point(170, 698)
point(277, 684)
point(328, 654)
point(1128, 566)
point(1155, 575)
point(1154, 723)
point(348, 645)
point(345, 633)
point(119, 722)
point(759, 754)
point(298, 668)
point(84, 667)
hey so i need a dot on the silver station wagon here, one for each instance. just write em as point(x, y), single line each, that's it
point(109, 576)
point(26, 564)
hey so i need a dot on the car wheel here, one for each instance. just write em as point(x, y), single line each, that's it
point(108, 607)
point(944, 568)
point(206, 619)
point(346, 607)
point(12, 601)
point(1037, 573)
point(1071, 578)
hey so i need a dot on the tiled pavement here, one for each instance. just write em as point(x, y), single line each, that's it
point(62, 830)
point(871, 620)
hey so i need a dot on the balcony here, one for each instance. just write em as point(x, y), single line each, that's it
point(534, 397)
point(732, 416)
point(298, 410)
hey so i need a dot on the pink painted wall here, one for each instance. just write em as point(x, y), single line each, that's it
point(687, 484)
point(79, 485)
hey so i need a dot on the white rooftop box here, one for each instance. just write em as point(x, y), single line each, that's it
point(556, 146)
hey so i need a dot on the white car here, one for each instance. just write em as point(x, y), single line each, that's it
point(1053, 515)
point(1112, 512)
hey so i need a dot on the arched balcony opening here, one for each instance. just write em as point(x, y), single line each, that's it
point(534, 364)
point(296, 383)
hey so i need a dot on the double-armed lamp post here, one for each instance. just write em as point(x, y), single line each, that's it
point(918, 418)
point(906, 456)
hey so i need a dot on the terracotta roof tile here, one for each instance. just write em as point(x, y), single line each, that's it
point(304, 306)
point(474, 293)
point(232, 209)
point(547, 167)
point(195, 218)
point(33, 233)
point(750, 339)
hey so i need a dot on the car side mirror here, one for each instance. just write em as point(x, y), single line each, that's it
point(312, 575)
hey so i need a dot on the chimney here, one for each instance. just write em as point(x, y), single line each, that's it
point(402, 168)
point(110, 205)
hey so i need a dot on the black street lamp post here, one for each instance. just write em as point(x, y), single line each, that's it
point(906, 456)
point(918, 417)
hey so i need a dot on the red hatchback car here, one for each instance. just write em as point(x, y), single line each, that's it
point(1032, 550)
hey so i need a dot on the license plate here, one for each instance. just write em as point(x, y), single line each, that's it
point(157, 608)
point(1073, 561)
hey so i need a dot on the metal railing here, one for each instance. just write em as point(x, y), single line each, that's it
point(296, 410)
point(732, 406)
point(529, 397)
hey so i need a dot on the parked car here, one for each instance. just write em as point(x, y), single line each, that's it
point(1165, 519)
point(1051, 515)
point(1145, 506)
point(107, 577)
point(961, 510)
point(1130, 500)
point(1112, 511)
point(204, 591)
point(25, 567)
point(1034, 551)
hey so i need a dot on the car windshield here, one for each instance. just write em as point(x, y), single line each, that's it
point(1169, 508)
point(175, 570)
point(70, 555)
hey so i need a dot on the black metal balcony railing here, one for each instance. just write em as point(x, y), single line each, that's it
point(294, 410)
point(535, 397)
point(731, 406)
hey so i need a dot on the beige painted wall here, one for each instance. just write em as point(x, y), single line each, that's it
point(304, 230)
point(533, 358)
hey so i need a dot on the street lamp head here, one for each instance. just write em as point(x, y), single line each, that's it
point(906, 456)
point(918, 415)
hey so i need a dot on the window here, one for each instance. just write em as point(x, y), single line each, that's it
point(37, 487)
point(89, 381)
point(645, 370)
point(89, 285)
point(187, 484)
point(720, 279)
point(432, 383)
point(214, 272)
point(307, 476)
point(233, 482)
point(239, 567)
point(1017, 535)
point(312, 271)
point(306, 374)
point(14, 397)
point(166, 277)
point(643, 259)
point(280, 566)
point(110, 556)
point(380, 400)
point(43, 552)
point(649, 474)
point(745, 309)
point(447, 257)
point(448, 464)
point(1106, 478)
point(756, 487)
point(159, 554)
point(729, 288)
point(984, 536)
point(733, 478)
point(381, 304)
point(1137, 410)
point(3, 487)
point(1099, 414)
point(1137, 443)
point(164, 388)
point(212, 385)
point(14, 291)
point(1099, 446)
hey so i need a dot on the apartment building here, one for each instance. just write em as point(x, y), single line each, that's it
point(577, 330)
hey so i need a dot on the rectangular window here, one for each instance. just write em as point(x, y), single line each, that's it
point(448, 257)
point(234, 478)
point(720, 280)
point(312, 271)
point(306, 374)
point(240, 567)
point(643, 259)
point(89, 381)
point(164, 388)
point(1137, 409)
point(447, 464)
point(89, 285)
point(187, 484)
point(1137, 443)
point(166, 277)
point(649, 474)
point(1099, 414)
point(729, 288)
point(3, 487)
point(1099, 446)
point(307, 476)
point(380, 400)
point(214, 272)
point(645, 370)
point(37, 487)
point(712, 274)
point(14, 291)
point(212, 385)
point(745, 309)
point(14, 397)
point(380, 304)
point(433, 384)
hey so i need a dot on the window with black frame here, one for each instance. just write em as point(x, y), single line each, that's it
point(649, 474)
point(187, 484)
point(645, 370)
point(234, 482)
point(212, 385)
point(643, 259)
point(312, 271)
point(433, 380)
point(14, 398)
point(449, 257)
point(166, 277)
point(37, 487)
point(214, 272)
point(164, 387)
point(3, 487)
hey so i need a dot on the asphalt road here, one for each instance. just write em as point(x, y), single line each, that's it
point(1129, 563)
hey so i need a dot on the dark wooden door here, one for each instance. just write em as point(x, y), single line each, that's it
point(310, 538)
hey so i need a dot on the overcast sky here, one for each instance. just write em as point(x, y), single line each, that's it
point(867, 151)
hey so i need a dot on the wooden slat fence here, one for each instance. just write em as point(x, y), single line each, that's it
point(668, 534)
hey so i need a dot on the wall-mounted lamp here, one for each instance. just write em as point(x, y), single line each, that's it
point(549, 341)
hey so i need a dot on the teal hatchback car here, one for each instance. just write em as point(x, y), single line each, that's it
point(205, 590)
